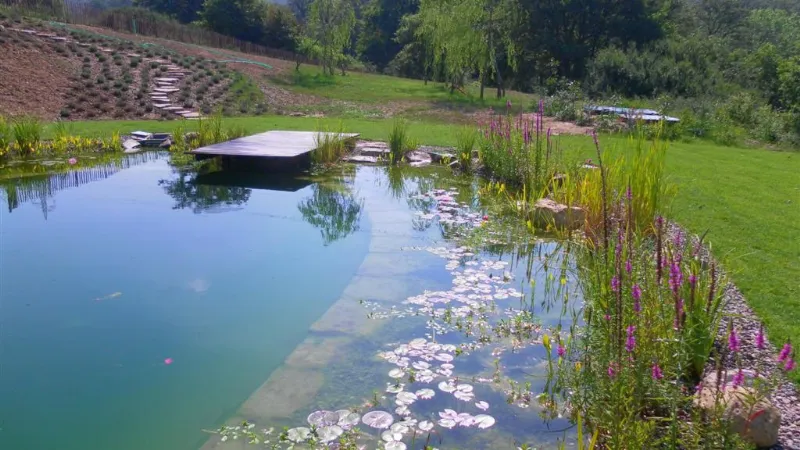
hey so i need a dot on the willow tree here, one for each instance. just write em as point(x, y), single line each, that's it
point(328, 30)
point(468, 36)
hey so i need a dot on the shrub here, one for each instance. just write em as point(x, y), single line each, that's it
point(101, 79)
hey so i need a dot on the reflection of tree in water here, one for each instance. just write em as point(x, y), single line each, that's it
point(334, 210)
point(188, 193)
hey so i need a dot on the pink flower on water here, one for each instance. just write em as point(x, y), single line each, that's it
point(785, 352)
point(168, 361)
point(656, 372)
point(72, 161)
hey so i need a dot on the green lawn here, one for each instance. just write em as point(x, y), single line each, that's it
point(375, 88)
point(748, 199)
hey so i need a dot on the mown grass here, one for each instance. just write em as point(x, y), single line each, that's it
point(375, 88)
point(748, 200)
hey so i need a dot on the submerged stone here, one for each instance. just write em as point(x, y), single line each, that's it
point(547, 212)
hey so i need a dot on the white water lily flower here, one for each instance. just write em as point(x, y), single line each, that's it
point(378, 419)
point(482, 405)
point(299, 434)
point(425, 426)
point(484, 421)
point(425, 394)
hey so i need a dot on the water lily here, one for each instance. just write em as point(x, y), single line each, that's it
point(299, 434)
point(484, 421)
point(406, 398)
point(425, 394)
point(425, 426)
point(397, 373)
point(378, 419)
point(446, 386)
point(482, 405)
point(72, 161)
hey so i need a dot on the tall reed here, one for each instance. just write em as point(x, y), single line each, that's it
point(466, 138)
point(400, 141)
point(27, 131)
point(329, 144)
point(6, 136)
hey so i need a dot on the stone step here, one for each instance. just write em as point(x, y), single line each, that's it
point(165, 90)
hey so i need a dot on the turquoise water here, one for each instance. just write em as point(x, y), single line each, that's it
point(142, 305)
point(106, 275)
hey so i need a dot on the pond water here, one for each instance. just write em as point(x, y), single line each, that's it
point(142, 305)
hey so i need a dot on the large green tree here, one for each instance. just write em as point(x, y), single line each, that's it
point(468, 36)
point(328, 32)
point(183, 10)
point(380, 21)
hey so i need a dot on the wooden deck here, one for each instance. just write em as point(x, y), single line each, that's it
point(272, 144)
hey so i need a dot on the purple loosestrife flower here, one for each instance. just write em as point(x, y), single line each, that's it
point(629, 193)
point(657, 373)
point(675, 277)
point(733, 341)
point(630, 343)
point(636, 292)
point(693, 280)
point(615, 284)
point(607, 317)
point(612, 372)
point(561, 351)
point(790, 365)
point(508, 105)
point(628, 267)
point(738, 379)
point(785, 352)
point(760, 341)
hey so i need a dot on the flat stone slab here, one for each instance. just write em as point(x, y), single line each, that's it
point(438, 157)
point(173, 108)
point(362, 159)
point(165, 90)
point(276, 144)
point(378, 149)
point(166, 79)
point(189, 114)
point(161, 105)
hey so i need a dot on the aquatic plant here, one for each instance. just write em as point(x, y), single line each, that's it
point(330, 145)
point(466, 138)
point(5, 136)
point(27, 132)
point(400, 141)
point(520, 152)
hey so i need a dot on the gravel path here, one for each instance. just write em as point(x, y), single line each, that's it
point(747, 324)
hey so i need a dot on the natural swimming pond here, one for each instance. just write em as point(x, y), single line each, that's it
point(143, 305)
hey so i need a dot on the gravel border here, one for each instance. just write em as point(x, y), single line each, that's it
point(785, 398)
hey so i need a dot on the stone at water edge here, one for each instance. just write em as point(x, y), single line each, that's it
point(757, 423)
point(549, 212)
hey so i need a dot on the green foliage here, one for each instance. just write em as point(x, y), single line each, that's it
point(400, 142)
point(328, 32)
point(27, 132)
point(466, 140)
point(329, 145)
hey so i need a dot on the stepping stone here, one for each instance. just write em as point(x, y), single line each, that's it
point(159, 99)
point(165, 90)
point(362, 159)
point(48, 35)
point(189, 114)
point(166, 79)
point(161, 105)
point(58, 38)
point(28, 31)
point(134, 55)
point(173, 108)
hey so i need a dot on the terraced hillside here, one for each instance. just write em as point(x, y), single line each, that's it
point(53, 71)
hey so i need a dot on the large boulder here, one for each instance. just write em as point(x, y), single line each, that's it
point(754, 418)
point(547, 212)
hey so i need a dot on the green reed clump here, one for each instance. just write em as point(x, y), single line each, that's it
point(27, 132)
point(329, 144)
point(179, 142)
point(519, 151)
point(466, 138)
point(400, 141)
point(6, 136)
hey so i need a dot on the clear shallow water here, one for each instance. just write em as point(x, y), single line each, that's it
point(237, 285)
point(118, 275)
